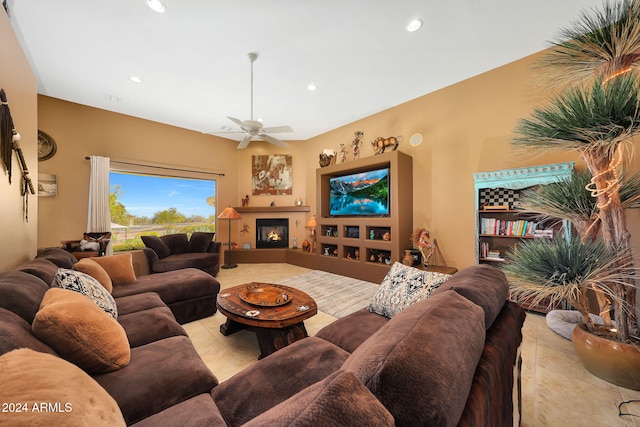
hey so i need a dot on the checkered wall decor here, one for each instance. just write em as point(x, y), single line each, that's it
point(498, 196)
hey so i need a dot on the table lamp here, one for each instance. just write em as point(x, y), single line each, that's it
point(229, 213)
point(312, 234)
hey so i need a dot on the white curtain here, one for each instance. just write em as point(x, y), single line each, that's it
point(99, 217)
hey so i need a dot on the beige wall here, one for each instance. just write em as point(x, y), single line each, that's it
point(18, 238)
point(466, 129)
point(82, 131)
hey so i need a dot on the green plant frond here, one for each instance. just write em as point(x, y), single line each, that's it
point(630, 191)
point(604, 42)
point(598, 118)
point(567, 199)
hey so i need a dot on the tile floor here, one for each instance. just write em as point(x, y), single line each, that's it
point(556, 389)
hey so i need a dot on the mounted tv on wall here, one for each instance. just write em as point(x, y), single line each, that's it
point(360, 194)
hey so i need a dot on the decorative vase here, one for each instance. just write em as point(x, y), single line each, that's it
point(408, 258)
point(612, 361)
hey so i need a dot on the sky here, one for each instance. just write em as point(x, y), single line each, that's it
point(144, 195)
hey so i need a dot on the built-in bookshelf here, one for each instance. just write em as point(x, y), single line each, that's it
point(500, 225)
point(365, 247)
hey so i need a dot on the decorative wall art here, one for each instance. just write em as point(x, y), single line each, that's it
point(271, 175)
point(47, 185)
point(10, 142)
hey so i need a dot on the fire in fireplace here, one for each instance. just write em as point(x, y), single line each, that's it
point(272, 232)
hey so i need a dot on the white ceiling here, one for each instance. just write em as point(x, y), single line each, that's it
point(195, 70)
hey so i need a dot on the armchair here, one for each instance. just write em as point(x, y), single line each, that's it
point(177, 251)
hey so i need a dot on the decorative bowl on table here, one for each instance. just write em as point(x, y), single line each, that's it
point(265, 295)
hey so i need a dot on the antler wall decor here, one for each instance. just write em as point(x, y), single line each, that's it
point(9, 141)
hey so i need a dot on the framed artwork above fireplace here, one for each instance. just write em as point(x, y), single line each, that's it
point(271, 175)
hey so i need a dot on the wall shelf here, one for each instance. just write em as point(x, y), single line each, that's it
point(263, 209)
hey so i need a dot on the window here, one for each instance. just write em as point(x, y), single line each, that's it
point(146, 204)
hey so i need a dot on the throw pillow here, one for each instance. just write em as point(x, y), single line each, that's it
point(119, 268)
point(31, 379)
point(88, 286)
point(403, 286)
point(95, 270)
point(339, 399)
point(200, 241)
point(177, 243)
point(81, 332)
point(157, 245)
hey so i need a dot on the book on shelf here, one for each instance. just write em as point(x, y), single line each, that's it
point(495, 208)
point(488, 253)
point(499, 227)
point(543, 233)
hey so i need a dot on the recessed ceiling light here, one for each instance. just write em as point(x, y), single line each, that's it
point(414, 25)
point(156, 5)
point(312, 87)
point(135, 79)
point(260, 119)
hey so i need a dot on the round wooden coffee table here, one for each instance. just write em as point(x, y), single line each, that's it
point(274, 312)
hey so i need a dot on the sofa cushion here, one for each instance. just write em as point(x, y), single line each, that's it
point(173, 286)
point(352, 330)
point(177, 243)
point(431, 348)
point(153, 324)
point(71, 397)
point(402, 286)
point(16, 333)
point(276, 378)
point(482, 284)
point(58, 256)
point(81, 332)
point(338, 400)
point(41, 268)
point(158, 246)
point(87, 286)
point(95, 270)
point(21, 293)
point(200, 241)
point(133, 303)
point(118, 267)
point(199, 411)
point(160, 374)
point(199, 260)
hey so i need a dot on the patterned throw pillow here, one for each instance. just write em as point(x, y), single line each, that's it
point(403, 286)
point(87, 286)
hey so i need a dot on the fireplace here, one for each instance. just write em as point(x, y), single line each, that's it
point(272, 233)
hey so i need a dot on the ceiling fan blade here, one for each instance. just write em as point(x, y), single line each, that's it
point(273, 140)
point(278, 129)
point(238, 122)
point(245, 141)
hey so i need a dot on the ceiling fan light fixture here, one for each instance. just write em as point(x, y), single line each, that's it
point(156, 5)
point(414, 25)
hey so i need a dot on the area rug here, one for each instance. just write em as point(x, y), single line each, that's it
point(334, 294)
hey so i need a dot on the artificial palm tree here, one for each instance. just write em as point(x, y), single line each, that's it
point(597, 115)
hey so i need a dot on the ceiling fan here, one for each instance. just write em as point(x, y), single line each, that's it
point(254, 128)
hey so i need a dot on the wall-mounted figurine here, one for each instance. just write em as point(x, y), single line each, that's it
point(343, 153)
point(381, 144)
point(356, 143)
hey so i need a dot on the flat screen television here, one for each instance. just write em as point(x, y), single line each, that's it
point(360, 194)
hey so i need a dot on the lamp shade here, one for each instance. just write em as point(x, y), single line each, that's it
point(229, 213)
point(311, 223)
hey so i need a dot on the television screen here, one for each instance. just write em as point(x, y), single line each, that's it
point(365, 193)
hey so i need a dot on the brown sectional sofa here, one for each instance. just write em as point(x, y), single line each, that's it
point(451, 359)
point(164, 368)
point(177, 251)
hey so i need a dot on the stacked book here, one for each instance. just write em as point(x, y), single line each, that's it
point(487, 253)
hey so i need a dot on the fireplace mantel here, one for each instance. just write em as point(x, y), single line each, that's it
point(263, 209)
